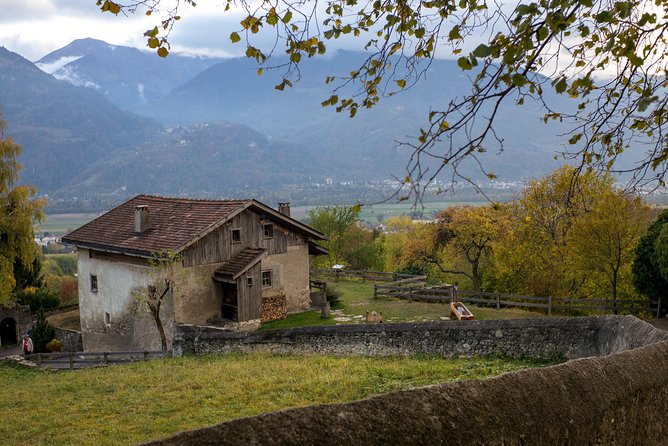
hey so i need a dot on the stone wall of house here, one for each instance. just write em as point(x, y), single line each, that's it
point(290, 272)
point(620, 399)
point(198, 296)
point(71, 339)
point(542, 337)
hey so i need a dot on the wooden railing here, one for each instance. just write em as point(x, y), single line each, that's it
point(549, 304)
point(412, 287)
point(75, 360)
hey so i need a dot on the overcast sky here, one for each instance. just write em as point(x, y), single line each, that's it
point(33, 28)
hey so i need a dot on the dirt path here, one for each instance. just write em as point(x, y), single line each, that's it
point(660, 323)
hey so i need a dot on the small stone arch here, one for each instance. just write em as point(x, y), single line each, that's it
point(8, 332)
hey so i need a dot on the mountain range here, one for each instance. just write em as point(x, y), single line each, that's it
point(103, 122)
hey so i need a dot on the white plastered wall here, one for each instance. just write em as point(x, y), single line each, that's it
point(130, 327)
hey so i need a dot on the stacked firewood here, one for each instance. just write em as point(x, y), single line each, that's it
point(274, 307)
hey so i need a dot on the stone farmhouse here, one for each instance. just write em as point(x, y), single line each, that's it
point(232, 255)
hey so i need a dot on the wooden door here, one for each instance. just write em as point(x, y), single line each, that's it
point(230, 305)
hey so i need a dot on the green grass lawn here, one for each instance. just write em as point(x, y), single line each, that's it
point(357, 298)
point(126, 404)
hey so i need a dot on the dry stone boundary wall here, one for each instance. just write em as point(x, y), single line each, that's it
point(537, 338)
point(617, 393)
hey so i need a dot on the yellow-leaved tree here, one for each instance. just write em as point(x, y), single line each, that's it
point(19, 209)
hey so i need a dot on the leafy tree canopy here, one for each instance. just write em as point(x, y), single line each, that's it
point(18, 210)
point(650, 272)
point(608, 55)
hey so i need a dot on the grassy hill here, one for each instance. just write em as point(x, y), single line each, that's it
point(123, 405)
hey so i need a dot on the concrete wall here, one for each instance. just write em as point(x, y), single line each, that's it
point(291, 276)
point(542, 337)
point(619, 398)
point(130, 327)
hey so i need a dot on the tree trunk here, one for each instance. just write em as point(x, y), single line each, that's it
point(476, 277)
point(161, 330)
point(614, 291)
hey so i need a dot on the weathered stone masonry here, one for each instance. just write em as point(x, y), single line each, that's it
point(538, 338)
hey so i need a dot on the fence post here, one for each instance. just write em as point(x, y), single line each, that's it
point(39, 360)
point(363, 275)
point(498, 299)
point(336, 278)
point(451, 292)
point(145, 355)
point(375, 291)
point(549, 305)
point(106, 357)
point(658, 308)
point(71, 361)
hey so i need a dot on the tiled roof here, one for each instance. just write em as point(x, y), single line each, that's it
point(173, 223)
point(238, 264)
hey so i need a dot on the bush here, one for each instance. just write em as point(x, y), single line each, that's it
point(54, 346)
point(41, 298)
point(334, 298)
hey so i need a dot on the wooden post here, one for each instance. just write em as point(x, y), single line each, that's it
point(39, 360)
point(363, 275)
point(375, 291)
point(106, 357)
point(658, 308)
point(71, 361)
point(549, 305)
point(145, 356)
point(451, 291)
point(338, 271)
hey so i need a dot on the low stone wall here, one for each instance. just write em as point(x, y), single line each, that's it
point(71, 339)
point(539, 338)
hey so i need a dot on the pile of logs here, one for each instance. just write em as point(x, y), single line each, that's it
point(274, 307)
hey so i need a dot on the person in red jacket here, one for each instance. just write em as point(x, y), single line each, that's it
point(27, 345)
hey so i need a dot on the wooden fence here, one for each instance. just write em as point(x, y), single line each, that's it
point(549, 304)
point(412, 287)
point(77, 360)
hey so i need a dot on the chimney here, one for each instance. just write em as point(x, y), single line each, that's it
point(284, 208)
point(142, 221)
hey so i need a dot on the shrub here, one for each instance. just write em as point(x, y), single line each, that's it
point(54, 345)
point(334, 298)
point(38, 298)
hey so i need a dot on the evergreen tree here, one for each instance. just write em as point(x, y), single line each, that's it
point(649, 278)
point(42, 334)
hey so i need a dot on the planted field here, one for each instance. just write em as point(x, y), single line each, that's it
point(127, 404)
point(378, 212)
point(60, 224)
point(357, 299)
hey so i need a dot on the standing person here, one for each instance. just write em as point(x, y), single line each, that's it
point(27, 345)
